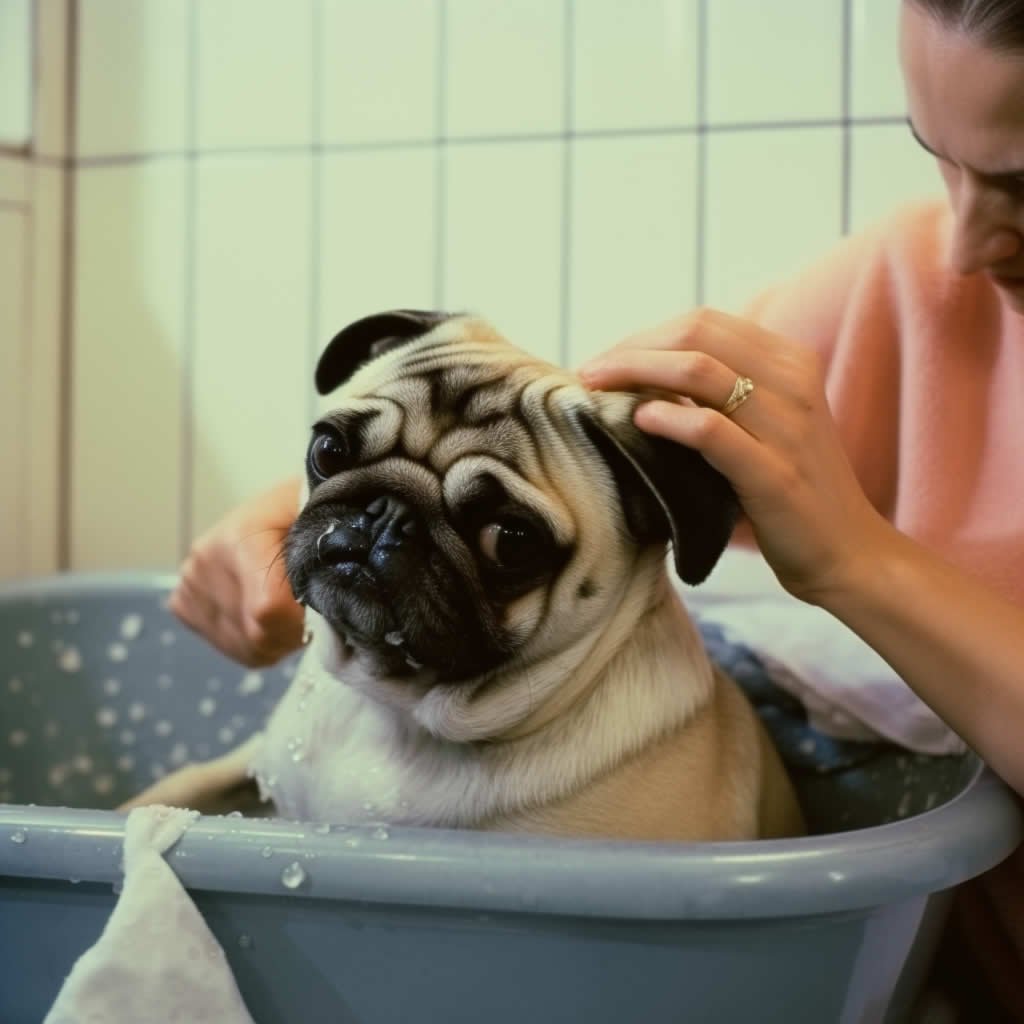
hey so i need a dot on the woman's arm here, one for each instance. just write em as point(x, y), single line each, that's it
point(958, 644)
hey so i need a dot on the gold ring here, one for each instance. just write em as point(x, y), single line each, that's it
point(741, 391)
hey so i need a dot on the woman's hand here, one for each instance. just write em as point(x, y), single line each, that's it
point(233, 590)
point(780, 448)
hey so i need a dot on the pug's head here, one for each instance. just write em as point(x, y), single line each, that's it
point(472, 508)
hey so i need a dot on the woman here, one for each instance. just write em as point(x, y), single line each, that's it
point(897, 502)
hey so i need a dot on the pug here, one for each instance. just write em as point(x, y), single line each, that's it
point(494, 641)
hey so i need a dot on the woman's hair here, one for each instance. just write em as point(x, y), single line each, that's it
point(997, 24)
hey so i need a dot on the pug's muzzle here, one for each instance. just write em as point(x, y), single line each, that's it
point(382, 579)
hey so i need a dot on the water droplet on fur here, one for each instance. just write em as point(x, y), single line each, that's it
point(394, 638)
point(131, 626)
point(293, 876)
point(70, 660)
point(18, 837)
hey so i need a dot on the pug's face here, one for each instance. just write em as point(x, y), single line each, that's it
point(471, 506)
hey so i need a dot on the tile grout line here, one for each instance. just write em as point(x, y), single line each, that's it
point(700, 231)
point(846, 139)
point(316, 201)
point(186, 466)
point(65, 399)
point(440, 155)
point(725, 128)
point(565, 287)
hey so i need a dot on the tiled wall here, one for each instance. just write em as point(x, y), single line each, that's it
point(250, 175)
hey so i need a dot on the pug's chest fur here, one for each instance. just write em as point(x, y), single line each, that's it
point(331, 753)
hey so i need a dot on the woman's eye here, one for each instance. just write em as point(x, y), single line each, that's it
point(328, 455)
point(511, 544)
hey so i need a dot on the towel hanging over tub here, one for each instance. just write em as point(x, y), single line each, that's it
point(156, 960)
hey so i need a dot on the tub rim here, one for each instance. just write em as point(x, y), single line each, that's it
point(488, 872)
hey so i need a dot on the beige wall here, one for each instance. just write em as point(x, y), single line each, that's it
point(249, 175)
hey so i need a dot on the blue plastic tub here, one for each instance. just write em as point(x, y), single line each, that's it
point(101, 691)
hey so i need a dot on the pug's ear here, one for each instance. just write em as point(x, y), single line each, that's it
point(668, 492)
point(370, 337)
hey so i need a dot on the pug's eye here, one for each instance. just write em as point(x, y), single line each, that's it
point(512, 543)
point(328, 455)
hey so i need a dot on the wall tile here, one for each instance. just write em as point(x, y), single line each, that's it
point(876, 85)
point(128, 329)
point(15, 179)
point(255, 85)
point(132, 69)
point(632, 230)
point(887, 168)
point(377, 231)
point(378, 84)
point(250, 369)
point(773, 204)
point(50, 129)
point(505, 67)
point(773, 62)
point(503, 239)
point(14, 451)
point(634, 65)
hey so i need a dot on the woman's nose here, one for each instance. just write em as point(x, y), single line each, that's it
point(981, 237)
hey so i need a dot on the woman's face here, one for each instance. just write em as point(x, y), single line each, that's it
point(966, 106)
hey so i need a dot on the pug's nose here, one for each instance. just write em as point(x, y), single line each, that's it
point(385, 524)
point(392, 522)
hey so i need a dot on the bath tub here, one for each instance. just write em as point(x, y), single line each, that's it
point(101, 691)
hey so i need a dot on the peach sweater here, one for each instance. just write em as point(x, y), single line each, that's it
point(926, 381)
point(925, 376)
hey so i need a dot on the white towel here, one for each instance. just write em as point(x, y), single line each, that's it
point(156, 960)
point(849, 691)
